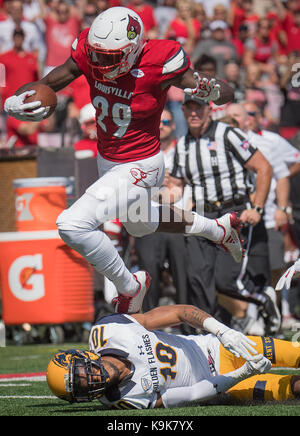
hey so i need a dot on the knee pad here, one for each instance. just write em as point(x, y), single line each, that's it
point(84, 242)
point(74, 239)
point(62, 220)
point(87, 213)
point(142, 228)
point(138, 230)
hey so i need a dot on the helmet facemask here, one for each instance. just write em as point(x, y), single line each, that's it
point(87, 378)
point(108, 64)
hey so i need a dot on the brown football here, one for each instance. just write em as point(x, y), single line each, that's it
point(45, 95)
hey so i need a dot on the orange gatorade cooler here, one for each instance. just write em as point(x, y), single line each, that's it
point(39, 201)
point(43, 281)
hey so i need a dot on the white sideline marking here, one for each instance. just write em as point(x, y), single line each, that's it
point(38, 378)
point(33, 356)
point(32, 378)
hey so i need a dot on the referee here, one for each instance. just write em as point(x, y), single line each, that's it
point(215, 159)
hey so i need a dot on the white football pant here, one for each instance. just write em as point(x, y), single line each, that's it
point(122, 191)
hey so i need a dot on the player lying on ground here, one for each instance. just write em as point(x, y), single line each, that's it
point(133, 365)
point(129, 80)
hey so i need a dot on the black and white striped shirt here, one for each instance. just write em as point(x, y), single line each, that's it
point(214, 164)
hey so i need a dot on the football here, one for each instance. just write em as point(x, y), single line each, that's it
point(45, 94)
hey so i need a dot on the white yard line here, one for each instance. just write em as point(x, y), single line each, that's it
point(32, 378)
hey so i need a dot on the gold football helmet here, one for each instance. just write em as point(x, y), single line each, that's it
point(77, 376)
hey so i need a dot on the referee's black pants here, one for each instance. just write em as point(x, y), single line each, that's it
point(211, 268)
point(152, 251)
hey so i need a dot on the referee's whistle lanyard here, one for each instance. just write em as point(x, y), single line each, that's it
point(239, 281)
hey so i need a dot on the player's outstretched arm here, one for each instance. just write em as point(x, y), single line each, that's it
point(57, 79)
point(203, 85)
point(166, 316)
point(213, 386)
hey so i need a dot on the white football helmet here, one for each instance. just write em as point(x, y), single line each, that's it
point(114, 42)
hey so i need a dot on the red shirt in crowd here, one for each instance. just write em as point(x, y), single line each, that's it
point(20, 68)
point(264, 51)
point(178, 30)
point(86, 144)
point(59, 38)
point(80, 91)
point(240, 47)
point(240, 18)
point(293, 33)
point(276, 29)
point(12, 126)
point(147, 16)
point(3, 15)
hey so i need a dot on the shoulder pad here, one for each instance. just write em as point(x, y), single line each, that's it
point(114, 318)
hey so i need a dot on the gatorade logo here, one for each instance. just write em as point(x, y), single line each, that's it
point(26, 282)
point(22, 207)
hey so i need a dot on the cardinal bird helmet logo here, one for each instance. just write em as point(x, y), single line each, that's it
point(133, 28)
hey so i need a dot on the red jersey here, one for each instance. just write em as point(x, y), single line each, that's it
point(86, 144)
point(264, 51)
point(128, 109)
point(12, 126)
point(20, 68)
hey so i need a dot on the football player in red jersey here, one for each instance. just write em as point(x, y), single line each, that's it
point(129, 79)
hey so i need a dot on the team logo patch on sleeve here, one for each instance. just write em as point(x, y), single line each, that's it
point(146, 384)
point(137, 73)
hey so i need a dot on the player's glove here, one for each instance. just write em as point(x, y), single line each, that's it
point(237, 343)
point(286, 278)
point(207, 90)
point(257, 365)
point(16, 107)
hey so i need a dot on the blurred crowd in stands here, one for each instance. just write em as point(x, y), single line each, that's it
point(254, 45)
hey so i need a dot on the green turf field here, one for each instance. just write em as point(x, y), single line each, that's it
point(27, 397)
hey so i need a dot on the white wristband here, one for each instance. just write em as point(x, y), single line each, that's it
point(213, 326)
